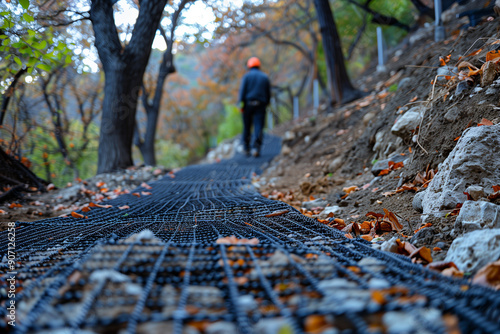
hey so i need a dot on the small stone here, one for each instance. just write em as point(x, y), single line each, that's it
point(423, 237)
point(378, 283)
point(445, 71)
point(462, 87)
point(452, 114)
point(335, 164)
point(491, 91)
point(384, 164)
point(368, 117)
point(399, 322)
point(490, 70)
point(405, 82)
point(477, 215)
point(390, 245)
point(285, 150)
point(477, 89)
point(335, 210)
point(221, 327)
point(476, 192)
point(315, 204)
point(272, 326)
point(289, 135)
point(408, 122)
point(417, 201)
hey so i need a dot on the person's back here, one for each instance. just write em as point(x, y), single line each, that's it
point(255, 94)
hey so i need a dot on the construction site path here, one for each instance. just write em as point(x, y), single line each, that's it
point(201, 251)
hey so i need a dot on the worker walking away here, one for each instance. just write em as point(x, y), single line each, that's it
point(255, 94)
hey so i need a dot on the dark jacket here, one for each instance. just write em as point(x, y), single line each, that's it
point(255, 86)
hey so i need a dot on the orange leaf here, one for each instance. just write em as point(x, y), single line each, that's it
point(100, 184)
point(489, 276)
point(474, 53)
point(414, 99)
point(384, 172)
point(496, 188)
point(94, 205)
point(76, 215)
point(485, 121)
point(311, 198)
point(476, 71)
point(276, 213)
point(441, 61)
point(136, 194)
point(85, 209)
point(15, 205)
point(145, 185)
point(492, 55)
point(457, 138)
point(367, 237)
point(393, 220)
point(378, 297)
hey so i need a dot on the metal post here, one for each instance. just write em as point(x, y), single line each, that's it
point(315, 96)
point(380, 43)
point(270, 114)
point(439, 33)
point(296, 107)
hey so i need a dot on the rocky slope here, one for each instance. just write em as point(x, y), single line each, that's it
point(426, 134)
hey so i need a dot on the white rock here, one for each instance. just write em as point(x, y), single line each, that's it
point(272, 326)
point(315, 203)
point(474, 160)
point(408, 122)
point(477, 215)
point(108, 274)
point(289, 135)
point(221, 327)
point(378, 283)
point(446, 71)
point(474, 250)
point(336, 210)
point(399, 322)
point(417, 201)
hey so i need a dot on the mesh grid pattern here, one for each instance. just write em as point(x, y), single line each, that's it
point(99, 274)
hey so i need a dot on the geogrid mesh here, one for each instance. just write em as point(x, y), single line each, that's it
point(110, 274)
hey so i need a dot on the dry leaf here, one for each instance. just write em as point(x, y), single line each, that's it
point(123, 207)
point(489, 276)
point(276, 213)
point(77, 215)
point(485, 121)
point(492, 55)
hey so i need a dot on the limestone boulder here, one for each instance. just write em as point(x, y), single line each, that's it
point(473, 161)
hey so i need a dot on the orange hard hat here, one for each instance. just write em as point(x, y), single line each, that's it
point(253, 62)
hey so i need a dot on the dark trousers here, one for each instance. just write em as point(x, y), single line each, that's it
point(257, 116)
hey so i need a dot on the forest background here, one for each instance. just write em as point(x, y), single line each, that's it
point(52, 81)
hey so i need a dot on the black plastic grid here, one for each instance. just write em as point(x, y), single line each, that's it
point(102, 274)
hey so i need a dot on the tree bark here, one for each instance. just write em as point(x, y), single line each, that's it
point(147, 146)
point(123, 70)
point(341, 88)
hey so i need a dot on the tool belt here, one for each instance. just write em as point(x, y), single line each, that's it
point(254, 103)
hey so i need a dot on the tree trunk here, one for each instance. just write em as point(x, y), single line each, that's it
point(341, 88)
point(124, 68)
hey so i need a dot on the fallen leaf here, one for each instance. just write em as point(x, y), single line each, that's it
point(492, 55)
point(423, 253)
point(136, 194)
point(123, 207)
point(391, 217)
point(378, 297)
point(414, 99)
point(100, 184)
point(474, 53)
point(77, 215)
point(276, 213)
point(3, 212)
point(315, 324)
point(484, 121)
point(489, 276)
point(146, 186)
point(15, 205)
point(232, 240)
point(146, 193)
point(350, 189)
point(85, 209)
point(457, 138)
point(94, 205)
